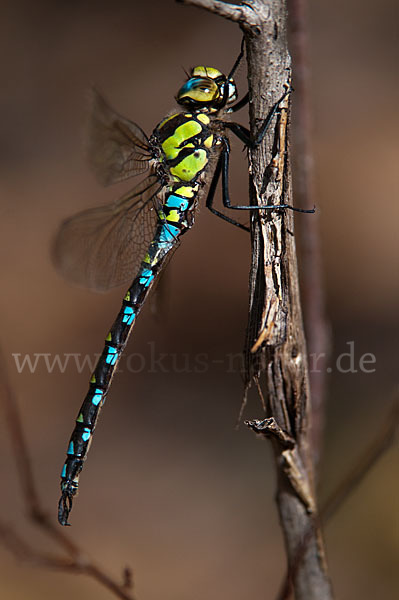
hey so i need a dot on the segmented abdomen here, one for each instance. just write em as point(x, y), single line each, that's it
point(172, 223)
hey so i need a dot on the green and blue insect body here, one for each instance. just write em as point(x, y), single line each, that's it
point(102, 247)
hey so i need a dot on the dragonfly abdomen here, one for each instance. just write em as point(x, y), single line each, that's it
point(173, 221)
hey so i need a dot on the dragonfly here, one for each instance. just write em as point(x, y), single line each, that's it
point(133, 238)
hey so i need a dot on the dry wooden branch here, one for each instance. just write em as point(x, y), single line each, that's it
point(275, 347)
point(384, 439)
point(240, 13)
point(275, 317)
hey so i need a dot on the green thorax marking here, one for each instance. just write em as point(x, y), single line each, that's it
point(185, 140)
point(191, 166)
point(180, 138)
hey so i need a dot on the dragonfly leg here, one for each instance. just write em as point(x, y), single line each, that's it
point(238, 60)
point(211, 197)
point(224, 159)
point(242, 132)
point(239, 104)
point(266, 123)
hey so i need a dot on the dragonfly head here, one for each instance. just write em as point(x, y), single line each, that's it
point(207, 89)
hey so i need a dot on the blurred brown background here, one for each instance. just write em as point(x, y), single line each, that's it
point(170, 488)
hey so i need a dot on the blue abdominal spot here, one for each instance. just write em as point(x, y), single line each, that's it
point(86, 434)
point(112, 355)
point(146, 276)
point(176, 202)
point(168, 233)
point(97, 397)
point(128, 315)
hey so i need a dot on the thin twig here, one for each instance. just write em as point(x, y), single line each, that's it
point(78, 561)
point(24, 466)
point(240, 13)
point(382, 442)
point(24, 552)
point(80, 566)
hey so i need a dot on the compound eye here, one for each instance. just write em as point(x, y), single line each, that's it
point(198, 89)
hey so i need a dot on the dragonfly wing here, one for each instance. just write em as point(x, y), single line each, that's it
point(103, 247)
point(117, 148)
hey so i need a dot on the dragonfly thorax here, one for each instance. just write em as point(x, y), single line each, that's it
point(207, 89)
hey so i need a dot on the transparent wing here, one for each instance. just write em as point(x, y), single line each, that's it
point(117, 148)
point(103, 247)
